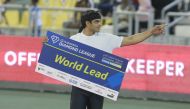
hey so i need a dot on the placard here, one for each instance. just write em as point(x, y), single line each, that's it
point(82, 66)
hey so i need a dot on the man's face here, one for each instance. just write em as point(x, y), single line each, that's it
point(95, 25)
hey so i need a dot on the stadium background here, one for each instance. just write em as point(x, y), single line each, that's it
point(158, 76)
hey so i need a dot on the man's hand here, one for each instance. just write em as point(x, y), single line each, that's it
point(45, 39)
point(158, 29)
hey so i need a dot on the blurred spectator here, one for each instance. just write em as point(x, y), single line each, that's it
point(136, 3)
point(75, 21)
point(2, 13)
point(144, 6)
point(159, 5)
point(106, 7)
point(35, 18)
point(125, 5)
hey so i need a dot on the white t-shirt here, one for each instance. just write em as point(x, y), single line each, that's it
point(103, 41)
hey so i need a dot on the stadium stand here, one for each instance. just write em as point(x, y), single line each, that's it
point(55, 13)
point(12, 17)
point(52, 18)
point(25, 19)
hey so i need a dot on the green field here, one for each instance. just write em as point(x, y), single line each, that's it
point(11, 99)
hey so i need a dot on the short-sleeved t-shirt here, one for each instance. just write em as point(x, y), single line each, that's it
point(103, 41)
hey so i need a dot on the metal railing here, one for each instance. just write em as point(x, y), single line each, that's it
point(166, 9)
point(169, 6)
point(179, 16)
point(133, 21)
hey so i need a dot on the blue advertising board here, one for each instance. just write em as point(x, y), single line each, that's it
point(82, 66)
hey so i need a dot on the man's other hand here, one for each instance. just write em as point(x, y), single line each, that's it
point(45, 39)
point(158, 29)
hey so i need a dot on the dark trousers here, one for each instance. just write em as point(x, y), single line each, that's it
point(81, 99)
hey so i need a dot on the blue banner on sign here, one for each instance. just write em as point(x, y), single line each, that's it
point(86, 51)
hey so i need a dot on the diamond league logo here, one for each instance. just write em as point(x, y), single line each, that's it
point(54, 39)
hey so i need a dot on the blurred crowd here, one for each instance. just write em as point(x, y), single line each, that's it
point(106, 7)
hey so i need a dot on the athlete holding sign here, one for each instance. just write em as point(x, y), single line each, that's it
point(89, 34)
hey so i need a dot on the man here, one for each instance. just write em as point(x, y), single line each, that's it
point(35, 18)
point(89, 34)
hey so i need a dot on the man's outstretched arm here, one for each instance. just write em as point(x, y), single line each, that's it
point(139, 37)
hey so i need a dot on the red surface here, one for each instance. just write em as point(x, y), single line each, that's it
point(157, 68)
point(19, 51)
